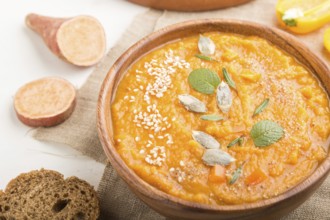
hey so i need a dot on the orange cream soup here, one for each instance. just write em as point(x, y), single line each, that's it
point(153, 131)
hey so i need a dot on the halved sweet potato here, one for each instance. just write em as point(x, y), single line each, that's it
point(79, 40)
point(45, 102)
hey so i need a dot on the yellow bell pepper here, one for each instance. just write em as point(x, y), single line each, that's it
point(303, 16)
point(327, 39)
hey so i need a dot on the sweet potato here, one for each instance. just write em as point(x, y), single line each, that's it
point(217, 174)
point(45, 102)
point(255, 177)
point(78, 40)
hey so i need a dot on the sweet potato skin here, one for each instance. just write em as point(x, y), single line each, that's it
point(47, 28)
point(47, 121)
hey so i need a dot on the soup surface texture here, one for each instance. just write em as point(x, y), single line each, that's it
point(153, 130)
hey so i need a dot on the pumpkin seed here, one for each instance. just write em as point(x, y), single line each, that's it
point(205, 140)
point(212, 117)
point(212, 157)
point(224, 97)
point(192, 104)
point(206, 46)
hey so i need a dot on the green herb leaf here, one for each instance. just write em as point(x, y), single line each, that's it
point(238, 140)
point(203, 57)
point(265, 133)
point(291, 15)
point(203, 80)
point(261, 107)
point(228, 79)
point(211, 117)
point(236, 174)
point(290, 22)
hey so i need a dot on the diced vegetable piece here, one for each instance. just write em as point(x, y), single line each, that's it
point(256, 177)
point(218, 174)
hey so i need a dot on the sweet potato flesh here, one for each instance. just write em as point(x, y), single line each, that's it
point(81, 40)
point(45, 102)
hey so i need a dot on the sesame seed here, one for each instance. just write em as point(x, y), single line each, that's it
point(181, 163)
point(142, 151)
point(137, 138)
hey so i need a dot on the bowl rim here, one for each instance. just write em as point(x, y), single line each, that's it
point(130, 177)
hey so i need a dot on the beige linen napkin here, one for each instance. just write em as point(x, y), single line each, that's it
point(79, 131)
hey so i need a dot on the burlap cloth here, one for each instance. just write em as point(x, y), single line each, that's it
point(79, 131)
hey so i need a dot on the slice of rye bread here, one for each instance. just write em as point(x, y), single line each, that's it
point(45, 194)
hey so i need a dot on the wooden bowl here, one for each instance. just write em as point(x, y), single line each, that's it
point(174, 207)
point(189, 5)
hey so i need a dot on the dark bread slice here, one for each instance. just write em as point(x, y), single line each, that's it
point(45, 194)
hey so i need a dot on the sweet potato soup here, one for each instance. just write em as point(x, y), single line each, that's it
point(221, 119)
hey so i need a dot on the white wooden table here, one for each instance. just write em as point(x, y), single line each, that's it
point(24, 57)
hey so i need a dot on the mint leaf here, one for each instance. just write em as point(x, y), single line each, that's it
point(261, 107)
point(203, 80)
point(265, 133)
point(228, 79)
point(211, 117)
